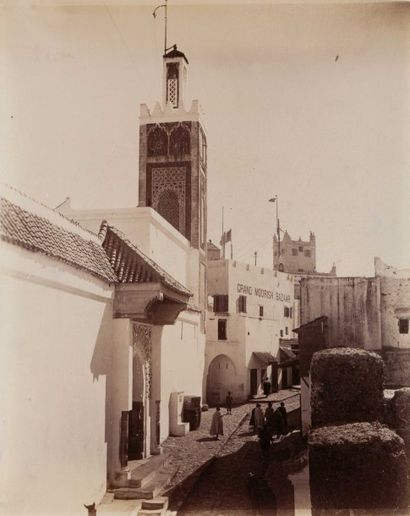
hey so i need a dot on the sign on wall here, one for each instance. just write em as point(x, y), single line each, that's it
point(260, 292)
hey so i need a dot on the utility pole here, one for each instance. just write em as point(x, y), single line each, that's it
point(223, 235)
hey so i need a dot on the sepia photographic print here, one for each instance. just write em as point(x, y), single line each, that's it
point(204, 258)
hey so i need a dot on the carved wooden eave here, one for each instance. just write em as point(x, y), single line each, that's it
point(144, 292)
point(151, 303)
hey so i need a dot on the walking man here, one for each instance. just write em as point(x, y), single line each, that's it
point(229, 401)
point(217, 427)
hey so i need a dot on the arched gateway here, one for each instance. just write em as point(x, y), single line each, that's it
point(221, 379)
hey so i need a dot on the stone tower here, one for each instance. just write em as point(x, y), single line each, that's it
point(296, 256)
point(172, 168)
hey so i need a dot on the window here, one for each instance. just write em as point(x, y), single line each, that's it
point(307, 252)
point(281, 268)
point(294, 252)
point(300, 249)
point(286, 311)
point(221, 303)
point(300, 270)
point(242, 304)
point(403, 325)
point(222, 329)
point(286, 330)
point(260, 311)
point(290, 312)
point(281, 333)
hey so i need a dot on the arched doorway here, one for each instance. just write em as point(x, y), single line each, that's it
point(221, 379)
point(136, 418)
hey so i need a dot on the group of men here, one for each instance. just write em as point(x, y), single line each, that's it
point(269, 424)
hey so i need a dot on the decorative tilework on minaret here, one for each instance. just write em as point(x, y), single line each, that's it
point(172, 172)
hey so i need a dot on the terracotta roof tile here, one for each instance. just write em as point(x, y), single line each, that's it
point(40, 233)
point(131, 265)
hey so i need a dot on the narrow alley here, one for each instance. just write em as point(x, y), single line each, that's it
point(234, 482)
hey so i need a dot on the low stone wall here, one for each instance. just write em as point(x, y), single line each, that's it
point(358, 465)
point(347, 386)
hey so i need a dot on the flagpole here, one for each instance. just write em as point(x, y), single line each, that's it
point(223, 234)
point(166, 23)
point(277, 224)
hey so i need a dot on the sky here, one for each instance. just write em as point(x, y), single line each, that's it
point(309, 102)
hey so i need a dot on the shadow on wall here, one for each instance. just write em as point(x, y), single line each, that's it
point(102, 358)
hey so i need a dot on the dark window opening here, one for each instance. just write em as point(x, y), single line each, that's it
point(307, 253)
point(281, 333)
point(294, 252)
point(222, 329)
point(242, 304)
point(260, 311)
point(300, 249)
point(286, 311)
point(221, 303)
point(403, 326)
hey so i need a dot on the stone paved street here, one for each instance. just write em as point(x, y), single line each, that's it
point(223, 489)
point(190, 454)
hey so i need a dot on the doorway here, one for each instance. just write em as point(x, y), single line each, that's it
point(136, 431)
point(136, 423)
point(254, 382)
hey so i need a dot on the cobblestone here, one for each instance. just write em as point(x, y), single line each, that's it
point(188, 454)
point(223, 490)
point(191, 454)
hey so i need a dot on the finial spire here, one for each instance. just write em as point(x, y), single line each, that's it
point(154, 14)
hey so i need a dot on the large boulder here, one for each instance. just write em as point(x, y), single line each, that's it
point(358, 465)
point(347, 386)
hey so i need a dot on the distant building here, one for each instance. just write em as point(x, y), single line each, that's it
point(296, 256)
point(212, 251)
point(249, 330)
point(367, 313)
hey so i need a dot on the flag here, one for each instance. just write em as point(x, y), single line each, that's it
point(226, 237)
point(273, 199)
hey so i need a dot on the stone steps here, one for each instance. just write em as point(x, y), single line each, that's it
point(139, 472)
point(148, 490)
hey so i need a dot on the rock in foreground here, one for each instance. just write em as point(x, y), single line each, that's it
point(359, 465)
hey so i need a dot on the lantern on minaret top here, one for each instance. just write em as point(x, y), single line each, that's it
point(175, 75)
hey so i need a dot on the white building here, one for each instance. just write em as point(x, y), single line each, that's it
point(251, 319)
point(102, 336)
point(57, 342)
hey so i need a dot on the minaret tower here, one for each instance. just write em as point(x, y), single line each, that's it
point(173, 160)
point(172, 172)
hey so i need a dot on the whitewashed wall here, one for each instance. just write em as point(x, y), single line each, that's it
point(55, 333)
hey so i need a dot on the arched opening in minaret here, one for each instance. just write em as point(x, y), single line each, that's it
point(157, 144)
point(180, 141)
point(168, 207)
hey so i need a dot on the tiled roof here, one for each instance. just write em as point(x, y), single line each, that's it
point(28, 224)
point(131, 265)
